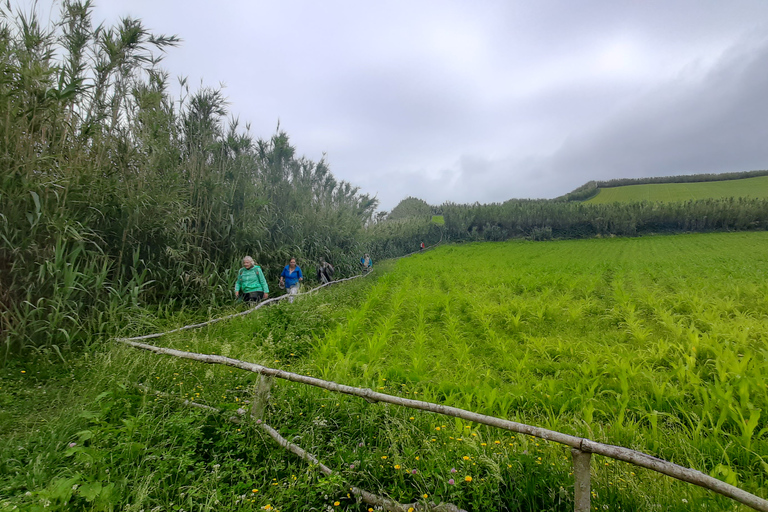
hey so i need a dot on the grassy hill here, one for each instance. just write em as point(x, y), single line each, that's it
point(756, 187)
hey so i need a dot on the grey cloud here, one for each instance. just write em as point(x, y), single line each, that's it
point(718, 123)
point(450, 100)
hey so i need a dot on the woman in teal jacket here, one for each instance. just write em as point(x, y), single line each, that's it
point(251, 282)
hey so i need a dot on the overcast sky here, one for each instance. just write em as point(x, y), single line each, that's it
point(484, 101)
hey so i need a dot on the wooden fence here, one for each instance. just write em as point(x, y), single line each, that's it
point(581, 448)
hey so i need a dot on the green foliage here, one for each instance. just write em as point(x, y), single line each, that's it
point(654, 343)
point(438, 219)
point(395, 238)
point(543, 219)
point(591, 188)
point(411, 207)
point(756, 188)
point(114, 194)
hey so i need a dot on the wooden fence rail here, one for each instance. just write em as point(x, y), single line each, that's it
point(365, 496)
point(581, 447)
point(269, 301)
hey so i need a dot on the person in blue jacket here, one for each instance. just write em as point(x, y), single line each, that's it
point(290, 278)
point(366, 262)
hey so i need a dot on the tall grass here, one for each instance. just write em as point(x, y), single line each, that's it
point(115, 194)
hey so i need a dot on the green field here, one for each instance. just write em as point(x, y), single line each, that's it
point(748, 187)
point(656, 344)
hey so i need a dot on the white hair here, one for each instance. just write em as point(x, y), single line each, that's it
point(248, 258)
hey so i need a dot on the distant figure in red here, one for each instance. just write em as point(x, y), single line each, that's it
point(422, 246)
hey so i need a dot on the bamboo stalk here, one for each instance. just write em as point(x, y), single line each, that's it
point(585, 445)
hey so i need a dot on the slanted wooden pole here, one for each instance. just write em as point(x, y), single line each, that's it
point(261, 397)
point(582, 491)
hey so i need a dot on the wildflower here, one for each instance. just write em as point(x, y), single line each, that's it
point(254, 490)
point(425, 496)
point(397, 466)
point(72, 445)
point(497, 442)
point(451, 482)
point(410, 509)
point(437, 428)
point(383, 457)
point(351, 466)
point(411, 418)
point(336, 503)
point(267, 507)
point(22, 371)
point(465, 457)
point(413, 471)
point(467, 478)
point(483, 444)
point(453, 470)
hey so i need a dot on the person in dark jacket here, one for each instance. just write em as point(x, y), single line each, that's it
point(324, 272)
point(251, 282)
point(291, 277)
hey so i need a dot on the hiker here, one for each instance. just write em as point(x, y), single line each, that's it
point(251, 282)
point(421, 248)
point(325, 272)
point(290, 277)
point(366, 263)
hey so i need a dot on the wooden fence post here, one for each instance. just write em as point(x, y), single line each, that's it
point(581, 477)
point(261, 397)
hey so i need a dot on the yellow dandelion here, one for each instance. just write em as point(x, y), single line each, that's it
point(467, 478)
point(336, 503)
point(465, 457)
point(397, 466)
point(425, 496)
point(383, 457)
